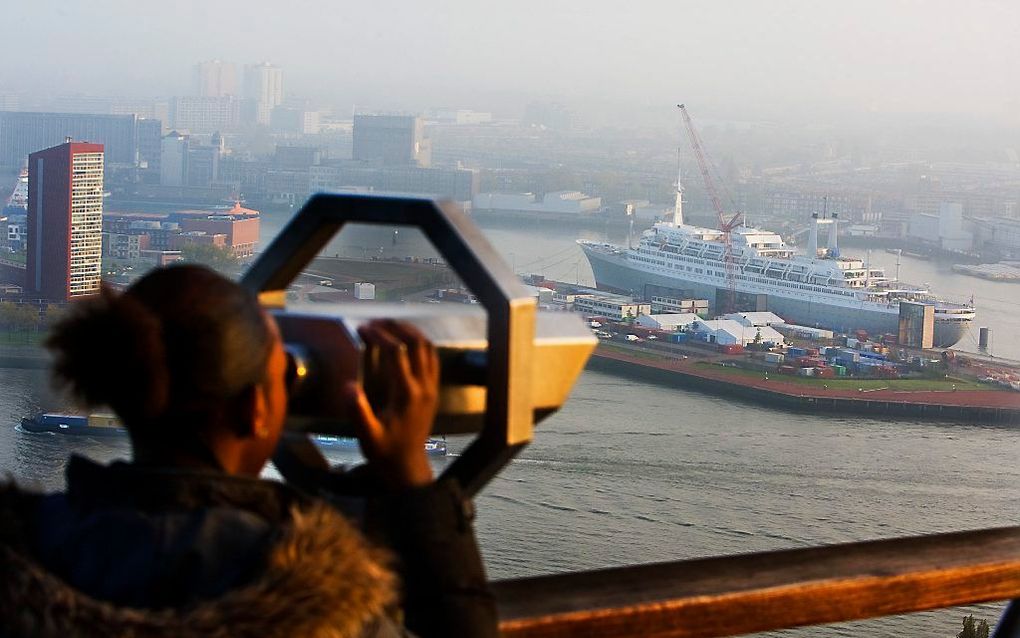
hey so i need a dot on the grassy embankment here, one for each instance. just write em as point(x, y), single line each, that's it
point(21, 337)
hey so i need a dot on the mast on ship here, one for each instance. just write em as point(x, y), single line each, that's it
point(678, 208)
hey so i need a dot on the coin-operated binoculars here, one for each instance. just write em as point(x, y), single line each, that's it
point(501, 370)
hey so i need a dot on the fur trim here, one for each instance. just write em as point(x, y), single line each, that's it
point(322, 579)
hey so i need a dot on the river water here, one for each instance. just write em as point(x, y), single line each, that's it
point(630, 472)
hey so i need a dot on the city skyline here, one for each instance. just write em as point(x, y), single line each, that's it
point(747, 60)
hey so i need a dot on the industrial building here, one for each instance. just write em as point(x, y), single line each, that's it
point(668, 322)
point(131, 235)
point(558, 203)
point(729, 332)
point(611, 306)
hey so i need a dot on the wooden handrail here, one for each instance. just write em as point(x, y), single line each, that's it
point(747, 593)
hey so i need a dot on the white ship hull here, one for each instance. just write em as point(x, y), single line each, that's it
point(614, 271)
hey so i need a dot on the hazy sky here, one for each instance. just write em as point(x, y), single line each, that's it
point(775, 55)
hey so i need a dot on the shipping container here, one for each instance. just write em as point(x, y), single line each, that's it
point(773, 357)
point(806, 372)
point(69, 420)
point(731, 348)
point(787, 370)
point(825, 373)
point(103, 421)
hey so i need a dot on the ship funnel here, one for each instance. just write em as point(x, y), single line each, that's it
point(813, 237)
point(833, 231)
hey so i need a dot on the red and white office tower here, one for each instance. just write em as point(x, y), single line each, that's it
point(65, 221)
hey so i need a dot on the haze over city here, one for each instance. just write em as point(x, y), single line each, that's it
point(739, 60)
point(774, 248)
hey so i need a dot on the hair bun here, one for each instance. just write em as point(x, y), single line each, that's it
point(109, 350)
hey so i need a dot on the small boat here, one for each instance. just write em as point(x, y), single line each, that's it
point(55, 422)
point(109, 425)
point(433, 447)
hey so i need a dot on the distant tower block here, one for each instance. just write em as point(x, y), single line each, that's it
point(65, 221)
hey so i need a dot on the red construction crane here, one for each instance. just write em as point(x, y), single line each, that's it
point(725, 225)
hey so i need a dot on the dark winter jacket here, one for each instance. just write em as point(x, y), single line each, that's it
point(128, 551)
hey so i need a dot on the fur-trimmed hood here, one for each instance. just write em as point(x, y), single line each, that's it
point(321, 578)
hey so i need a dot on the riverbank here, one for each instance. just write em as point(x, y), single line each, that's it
point(24, 357)
point(966, 402)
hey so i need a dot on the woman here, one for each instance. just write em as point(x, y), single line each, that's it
point(185, 540)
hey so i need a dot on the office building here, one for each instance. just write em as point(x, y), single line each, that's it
point(215, 78)
point(205, 114)
point(185, 162)
point(392, 140)
point(173, 163)
point(263, 92)
point(295, 121)
point(22, 133)
point(203, 165)
point(65, 221)
point(150, 135)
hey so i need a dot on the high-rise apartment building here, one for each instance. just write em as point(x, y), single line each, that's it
point(390, 139)
point(263, 91)
point(204, 114)
point(215, 78)
point(65, 221)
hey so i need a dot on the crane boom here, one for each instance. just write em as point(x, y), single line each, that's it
point(725, 225)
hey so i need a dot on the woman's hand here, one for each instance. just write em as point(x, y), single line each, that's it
point(393, 434)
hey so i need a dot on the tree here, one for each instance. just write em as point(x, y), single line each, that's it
point(213, 256)
point(26, 317)
point(53, 313)
point(972, 629)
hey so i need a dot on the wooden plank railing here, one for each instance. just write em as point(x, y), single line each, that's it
point(747, 593)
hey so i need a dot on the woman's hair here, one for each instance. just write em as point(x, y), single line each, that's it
point(176, 346)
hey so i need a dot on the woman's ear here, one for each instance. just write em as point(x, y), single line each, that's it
point(251, 412)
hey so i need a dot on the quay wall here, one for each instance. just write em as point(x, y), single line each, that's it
point(828, 404)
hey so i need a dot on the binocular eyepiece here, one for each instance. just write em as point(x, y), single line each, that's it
point(324, 353)
point(503, 366)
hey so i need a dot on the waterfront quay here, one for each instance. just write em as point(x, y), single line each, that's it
point(948, 399)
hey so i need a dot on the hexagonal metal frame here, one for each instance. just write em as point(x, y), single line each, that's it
point(509, 418)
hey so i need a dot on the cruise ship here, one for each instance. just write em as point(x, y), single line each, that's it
point(820, 288)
